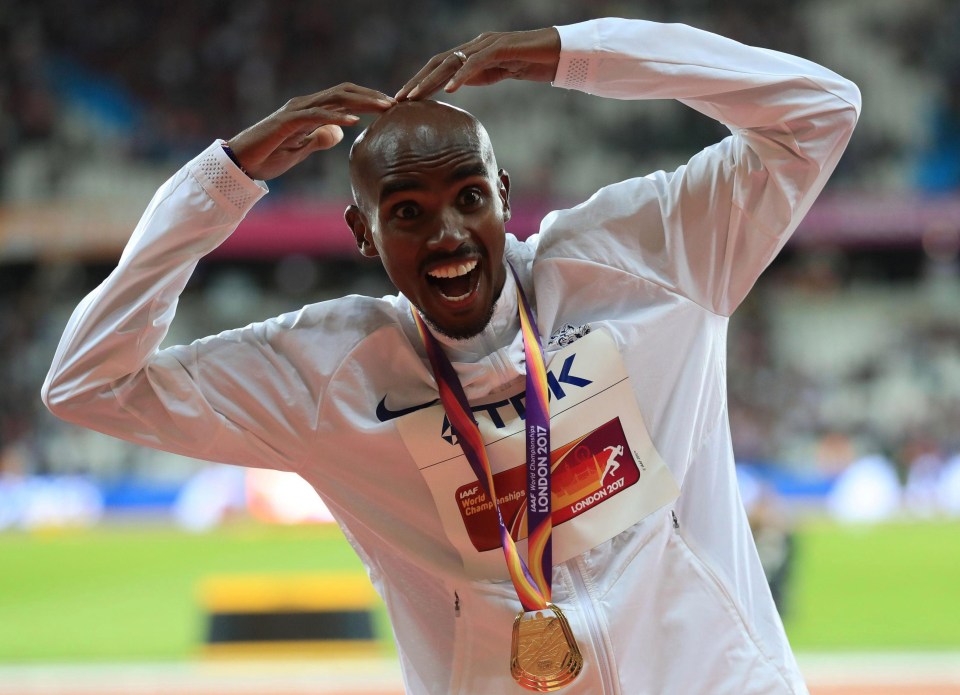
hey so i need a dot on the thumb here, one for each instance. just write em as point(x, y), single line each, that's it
point(325, 137)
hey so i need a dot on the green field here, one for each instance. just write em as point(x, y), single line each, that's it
point(130, 592)
point(119, 593)
point(893, 586)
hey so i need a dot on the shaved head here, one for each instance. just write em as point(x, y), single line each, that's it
point(408, 131)
point(431, 204)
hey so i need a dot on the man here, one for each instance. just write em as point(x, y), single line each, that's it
point(653, 564)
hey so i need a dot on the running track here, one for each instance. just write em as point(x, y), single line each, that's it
point(857, 674)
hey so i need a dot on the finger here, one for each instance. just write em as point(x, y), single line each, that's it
point(492, 59)
point(299, 148)
point(422, 73)
point(434, 80)
point(325, 137)
point(437, 60)
point(362, 97)
point(344, 98)
point(429, 82)
point(315, 116)
point(477, 70)
point(290, 129)
point(525, 55)
point(369, 101)
point(367, 91)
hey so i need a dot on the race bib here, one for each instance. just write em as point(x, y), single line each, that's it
point(606, 474)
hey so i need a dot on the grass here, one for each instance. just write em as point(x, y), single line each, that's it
point(893, 586)
point(118, 593)
point(129, 593)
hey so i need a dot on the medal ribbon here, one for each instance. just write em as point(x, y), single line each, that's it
point(533, 581)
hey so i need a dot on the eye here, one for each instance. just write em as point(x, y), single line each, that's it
point(406, 211)
point(470, 198)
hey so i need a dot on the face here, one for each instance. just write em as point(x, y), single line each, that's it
point(432, 206)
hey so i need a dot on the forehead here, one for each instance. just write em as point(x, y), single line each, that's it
point(416, 145)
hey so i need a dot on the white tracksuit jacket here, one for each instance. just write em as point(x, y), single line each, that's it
point(671, 601)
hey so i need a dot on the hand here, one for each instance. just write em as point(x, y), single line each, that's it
point(303, 126)
point(491, 57)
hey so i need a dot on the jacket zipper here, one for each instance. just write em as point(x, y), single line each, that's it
point(594, 627)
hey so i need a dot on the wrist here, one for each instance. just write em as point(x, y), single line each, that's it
point(233, 158)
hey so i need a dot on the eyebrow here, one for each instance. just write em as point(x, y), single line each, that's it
point(464, 171)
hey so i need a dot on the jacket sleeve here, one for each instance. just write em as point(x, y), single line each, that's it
point(707, 230)
point(108, 373)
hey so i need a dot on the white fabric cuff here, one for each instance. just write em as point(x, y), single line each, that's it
point(224, 180)
point(577, 66)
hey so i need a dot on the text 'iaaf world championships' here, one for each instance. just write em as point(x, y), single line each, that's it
point(479, 502)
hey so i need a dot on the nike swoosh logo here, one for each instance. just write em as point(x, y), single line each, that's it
point(384, 413)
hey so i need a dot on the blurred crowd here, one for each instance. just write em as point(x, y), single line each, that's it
point(847, 365)
point(834, 361)
point(102, 85)
point(836, 370)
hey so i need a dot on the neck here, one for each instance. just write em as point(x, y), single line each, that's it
point(499, 332)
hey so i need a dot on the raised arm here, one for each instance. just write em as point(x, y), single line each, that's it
point(108, 373)
point(709, 228)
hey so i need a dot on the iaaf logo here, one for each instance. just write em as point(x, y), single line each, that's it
point(517, 402)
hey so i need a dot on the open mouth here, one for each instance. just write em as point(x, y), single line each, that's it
point(457, 281)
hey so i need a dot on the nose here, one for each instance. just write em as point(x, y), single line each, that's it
point(449, 234)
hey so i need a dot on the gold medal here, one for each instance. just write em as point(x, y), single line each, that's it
point(544, 655)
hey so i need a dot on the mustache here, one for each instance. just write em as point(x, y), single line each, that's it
point(463, 253)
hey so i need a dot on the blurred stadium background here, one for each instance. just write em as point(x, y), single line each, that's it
point(844, 368)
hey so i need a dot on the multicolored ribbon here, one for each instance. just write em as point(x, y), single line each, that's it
point(533, 581)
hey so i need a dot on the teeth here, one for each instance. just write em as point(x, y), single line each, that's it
point(453, 271)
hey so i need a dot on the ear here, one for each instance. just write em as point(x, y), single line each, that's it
point(357, 222)
point(503, 188)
